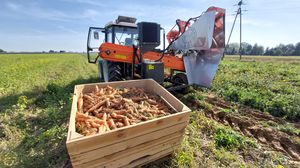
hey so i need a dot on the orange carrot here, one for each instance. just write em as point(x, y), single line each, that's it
point(108, 108)
point(96, 106)
point(111, 123)
point(95, 125)
point(126, 121)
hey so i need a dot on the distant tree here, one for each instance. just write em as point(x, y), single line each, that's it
point(278, 51)
point(267, 52)
point(254, 49)
point(248, 49)
point(62, 51)
point(2, 51)
point(297, 49)
point(272, 51)
point(257, 50)
point(260, 50)
point(286, 49)
point(232, 49)
point(290, 49)
point(51, 51)
point(245, 47)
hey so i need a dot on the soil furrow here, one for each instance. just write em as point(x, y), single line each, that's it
point(249, 126)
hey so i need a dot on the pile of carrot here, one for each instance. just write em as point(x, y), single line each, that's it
point(111, 108)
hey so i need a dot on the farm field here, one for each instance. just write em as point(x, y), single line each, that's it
point(249, 118)
point(263, 58)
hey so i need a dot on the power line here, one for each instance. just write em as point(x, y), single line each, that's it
point(238, 12)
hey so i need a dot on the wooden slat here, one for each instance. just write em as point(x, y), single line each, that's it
point(72, 118)
point(85, 144)
point(147, 160)
point(127, 156)
point(126, 144)
point(151, 155)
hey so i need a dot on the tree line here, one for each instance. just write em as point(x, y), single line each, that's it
point(50, 51)
point(248, 49)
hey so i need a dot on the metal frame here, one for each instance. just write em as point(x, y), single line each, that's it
point(88, 44)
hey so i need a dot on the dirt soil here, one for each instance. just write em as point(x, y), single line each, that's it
point(247, 121)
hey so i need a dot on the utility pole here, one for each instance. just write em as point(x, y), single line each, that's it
point(238, 12)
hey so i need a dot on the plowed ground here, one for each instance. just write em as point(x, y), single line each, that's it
point(248, 122)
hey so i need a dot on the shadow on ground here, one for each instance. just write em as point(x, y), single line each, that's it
point(43, 123)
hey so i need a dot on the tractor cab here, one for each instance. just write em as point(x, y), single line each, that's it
point(122, 31)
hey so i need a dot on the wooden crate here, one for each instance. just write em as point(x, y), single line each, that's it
point(132, 145)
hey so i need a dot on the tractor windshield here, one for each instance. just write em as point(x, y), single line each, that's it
point(122, 35)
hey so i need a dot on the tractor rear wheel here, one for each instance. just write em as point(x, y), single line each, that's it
point(114, 71)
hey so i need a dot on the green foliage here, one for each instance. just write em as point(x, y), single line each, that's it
point(268, 86)
point(210, 144)
point(184, 158)
point(22, 102)
point(35, 103)
point(193, 96)
point(289, 129)
point(230, 140)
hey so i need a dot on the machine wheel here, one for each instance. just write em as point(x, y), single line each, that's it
point(180, 78)
point(114, 71)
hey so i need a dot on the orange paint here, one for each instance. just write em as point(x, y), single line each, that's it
point(120, 53)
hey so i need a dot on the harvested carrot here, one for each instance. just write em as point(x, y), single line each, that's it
point(112, 124)
point(104, 117)
point(126, 121)
point(109, 108)
point(95, 125)
point(101, 129)
point(96, 106)
point(119, 124)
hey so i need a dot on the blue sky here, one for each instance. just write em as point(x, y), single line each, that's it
point(37, 25)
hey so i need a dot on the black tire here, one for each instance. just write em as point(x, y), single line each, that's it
point(114, 71)
point(180, 78)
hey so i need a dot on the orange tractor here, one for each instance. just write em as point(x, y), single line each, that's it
point(129, 50)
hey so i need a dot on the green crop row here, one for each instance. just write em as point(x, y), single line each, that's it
point(272, 87)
